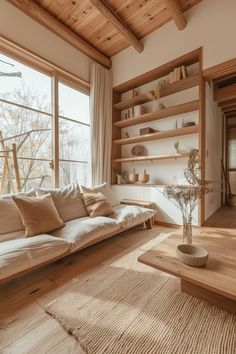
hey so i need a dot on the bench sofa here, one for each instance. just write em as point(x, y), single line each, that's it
point(19, 254)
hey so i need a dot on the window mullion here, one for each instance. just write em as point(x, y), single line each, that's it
point(55, 110)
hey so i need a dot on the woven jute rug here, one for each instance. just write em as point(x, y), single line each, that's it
point(130, 308)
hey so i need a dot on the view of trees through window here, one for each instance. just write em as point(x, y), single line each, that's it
point(26, 130)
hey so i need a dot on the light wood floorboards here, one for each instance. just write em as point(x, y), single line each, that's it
point(25, 327)
point(225, 217)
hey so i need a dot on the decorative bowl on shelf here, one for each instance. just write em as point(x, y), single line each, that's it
point(138, 150)
point(192, 255)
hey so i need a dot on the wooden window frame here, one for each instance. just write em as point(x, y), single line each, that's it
point(57, 74)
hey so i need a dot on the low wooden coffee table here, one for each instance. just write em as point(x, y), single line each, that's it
point(214, 283)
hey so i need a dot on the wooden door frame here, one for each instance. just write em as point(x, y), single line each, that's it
point(212, 73)
point(217, 71)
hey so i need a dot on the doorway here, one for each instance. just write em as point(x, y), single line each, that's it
point(224, 99)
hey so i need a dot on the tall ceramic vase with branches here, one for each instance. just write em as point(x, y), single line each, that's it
point(187, 197)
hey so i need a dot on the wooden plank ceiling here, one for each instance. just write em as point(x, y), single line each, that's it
point(88, 19)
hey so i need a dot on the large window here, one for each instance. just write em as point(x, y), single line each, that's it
point(74, 135)
point(27, 130)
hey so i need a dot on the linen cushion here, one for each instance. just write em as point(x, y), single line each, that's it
point(104, 189)
point(39, 215)
point(67, 200)
point(19, 255)
point(80, 232)
point(130, 215)
point(10, 219)
point(97, 204)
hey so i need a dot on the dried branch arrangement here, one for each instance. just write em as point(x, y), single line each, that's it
point(187, 197)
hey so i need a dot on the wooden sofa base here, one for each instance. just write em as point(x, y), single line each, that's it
point(68, 253)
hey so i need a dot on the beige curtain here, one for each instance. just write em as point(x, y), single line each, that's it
point(101, 123)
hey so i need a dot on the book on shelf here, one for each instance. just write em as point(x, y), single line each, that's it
point(138, 110)
point(177, 74)
point(127, 113)
point(183, 71)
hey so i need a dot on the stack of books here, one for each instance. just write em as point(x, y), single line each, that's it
point(177, 74)
point(132, 112)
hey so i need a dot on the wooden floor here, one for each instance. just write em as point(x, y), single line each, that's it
point(225, 217)
point(25, 328)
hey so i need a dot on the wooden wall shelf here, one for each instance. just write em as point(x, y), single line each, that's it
point(164, 113)
point(158, 135)
point(159, 72)
point(168, 89)
point(142, 98)
point(173, 112)
point(152, 158)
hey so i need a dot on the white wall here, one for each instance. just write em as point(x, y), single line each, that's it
point(211, 24)
point(23, 30)
point(213, 151)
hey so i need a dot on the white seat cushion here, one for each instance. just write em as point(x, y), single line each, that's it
point(131, 215)
point(81, 231)
point(19, 255)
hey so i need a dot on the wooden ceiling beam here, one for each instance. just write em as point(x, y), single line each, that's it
point(175, 11)
point(38, 13)
point(118, 23)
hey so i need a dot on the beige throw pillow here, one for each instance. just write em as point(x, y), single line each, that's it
point(10, 219)
point(97, 204)
point(39, 215)
point(68, 201)
point(104, 189)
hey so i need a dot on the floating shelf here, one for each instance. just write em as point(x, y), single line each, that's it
point(164, 113)
point(158, 136)
point(168, 89)
point(152, 158)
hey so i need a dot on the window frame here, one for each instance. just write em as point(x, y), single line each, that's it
point(57, 75)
